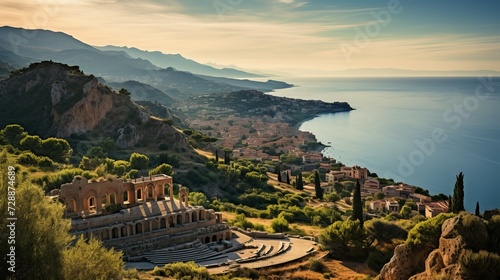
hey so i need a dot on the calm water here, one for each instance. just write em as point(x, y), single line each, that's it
point(422, 131)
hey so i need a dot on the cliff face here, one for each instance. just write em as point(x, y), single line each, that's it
point(53, 99)
point(84, 114)
point(468, 249)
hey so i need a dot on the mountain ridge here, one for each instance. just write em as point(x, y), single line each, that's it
point(179, 62)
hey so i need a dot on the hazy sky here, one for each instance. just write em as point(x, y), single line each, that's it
point(288, 35)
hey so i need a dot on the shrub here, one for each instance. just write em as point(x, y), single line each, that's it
point(482, 265)
point(191, 270)
point(427, 232)
point(45, 162)
point(139, 161)
point(332, 197)
point(494, 233)
point(28, 159)
point(241, 222)
point(162, 169)
point(384, 231)
point(378, 258)
point(279, 225)
point(474, 233)
point(345, 239)
point(316, 265)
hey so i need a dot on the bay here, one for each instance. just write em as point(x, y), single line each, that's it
point(418, 130)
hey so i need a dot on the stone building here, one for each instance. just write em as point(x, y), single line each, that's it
point(144, 218)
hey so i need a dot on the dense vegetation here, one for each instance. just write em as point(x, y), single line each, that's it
point(239, 186)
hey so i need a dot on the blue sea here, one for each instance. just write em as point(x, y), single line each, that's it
point(419, 130)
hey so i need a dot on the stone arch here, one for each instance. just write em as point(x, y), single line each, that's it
point(146, 226)
point(115, 233)
point(126, 196)
point(71, 206)
point(201, 215)
point(179, 219)
point(155, 224)
point(207, 239)
point(130, 229)
point(187, 218)
point(214, 238)
point(104, 234)
point(139, 194)
point(149, 191)
point(194, 217)
point(91, 203)
point(112, 198)
point(228, 235)
point(221, 237)
point(104, 199)
point(163, 223)
point(124, 231)
point(160, 191)
point(183, 196)
point(171, 221)
point(138, 228)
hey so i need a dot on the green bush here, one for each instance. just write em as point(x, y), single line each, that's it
point(28, 159)
point(482, 265)
point(474, 233)
point(345, 239)
point(317, 265)
point(162, 169)
point(427, 232)
point(279, 225)
point(384, 231)
point(378, 258)
point(188, 270)
point(494, 233)
point(45, 163)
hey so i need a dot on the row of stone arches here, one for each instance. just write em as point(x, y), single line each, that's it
point(216, 237)
point(164, 222)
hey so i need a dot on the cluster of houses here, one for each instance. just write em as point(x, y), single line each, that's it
point(370, 186)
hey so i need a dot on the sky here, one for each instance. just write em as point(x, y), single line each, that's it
point(293, 36)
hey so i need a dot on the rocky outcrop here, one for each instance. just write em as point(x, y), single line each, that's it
point(85, 113)
point(128, 136)
point(404, 263)
point(445, 260)
point(465, 247)
point(52, 99)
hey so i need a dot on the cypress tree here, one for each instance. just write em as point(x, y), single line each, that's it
point(288, 177)
point(478, 213)
point(216, 156)
point(357, 206)
point(317, 185)
point(457, 201)
point(300, 183)
point(227, 157)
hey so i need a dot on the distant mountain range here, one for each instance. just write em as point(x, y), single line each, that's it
point(179, 62)
point(120, 65)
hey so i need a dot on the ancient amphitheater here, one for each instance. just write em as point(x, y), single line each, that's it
point(152, 229)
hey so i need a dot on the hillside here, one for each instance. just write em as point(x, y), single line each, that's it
point(144, 92)
point(53, 99)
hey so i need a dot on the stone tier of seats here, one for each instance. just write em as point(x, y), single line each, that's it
point(195, 251)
